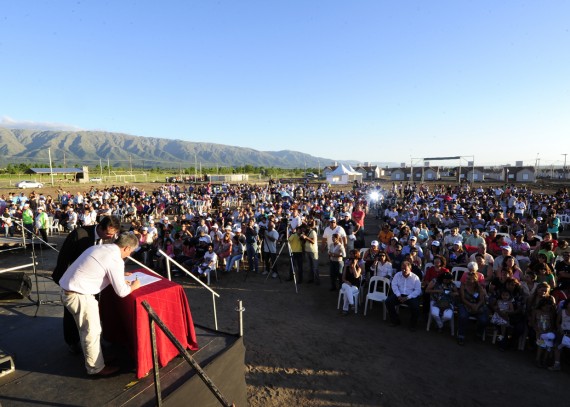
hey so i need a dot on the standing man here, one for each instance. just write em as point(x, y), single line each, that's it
point(75, 244)
point(270, 238)
point(330, 230)
point(251, 241)
point(296, 245)
point(349, 227)
point(312, 250)
point(42, 223)
point(28, 220)
point(94, 270)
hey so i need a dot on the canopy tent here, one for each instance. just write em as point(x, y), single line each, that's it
point(343, 175)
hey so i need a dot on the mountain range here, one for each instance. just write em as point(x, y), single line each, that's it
point(69, 148)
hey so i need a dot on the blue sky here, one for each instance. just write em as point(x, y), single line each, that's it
point(347, 80)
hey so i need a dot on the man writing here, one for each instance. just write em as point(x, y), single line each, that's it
point(74, 245)
point(94, 270)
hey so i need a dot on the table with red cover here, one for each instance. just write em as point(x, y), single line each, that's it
point(125, 321)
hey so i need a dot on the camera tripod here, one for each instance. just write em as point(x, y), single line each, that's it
point(285, 243)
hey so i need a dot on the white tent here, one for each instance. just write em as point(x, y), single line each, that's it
point(343, 175)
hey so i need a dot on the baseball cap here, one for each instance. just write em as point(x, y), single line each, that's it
point(332, 219)
point(374, 243)
point(435, 243)
point(413, 238)
point(506, 247)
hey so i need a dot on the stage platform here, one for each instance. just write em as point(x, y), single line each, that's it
point(47, 374)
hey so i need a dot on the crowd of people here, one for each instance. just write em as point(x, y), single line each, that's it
point(493, 255)
point(515, 267)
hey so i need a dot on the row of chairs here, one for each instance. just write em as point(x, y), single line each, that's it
point(378, 290)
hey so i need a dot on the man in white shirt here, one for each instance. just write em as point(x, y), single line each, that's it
point(406, 289)
point(270, 237)
point(95, 269)
point(330, 230)
point(294, 221)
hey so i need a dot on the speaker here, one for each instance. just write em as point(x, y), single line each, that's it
point(15, 285)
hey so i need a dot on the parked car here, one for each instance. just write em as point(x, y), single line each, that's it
point(95, 179)
point(29, 184)
point(311, 175)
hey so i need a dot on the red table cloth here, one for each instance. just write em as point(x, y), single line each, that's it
point(125, 321)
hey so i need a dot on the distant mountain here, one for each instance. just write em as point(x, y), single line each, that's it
point(89, 147)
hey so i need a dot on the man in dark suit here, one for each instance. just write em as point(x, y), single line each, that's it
point(74, 245)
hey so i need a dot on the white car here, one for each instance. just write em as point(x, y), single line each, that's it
point(29, 184)
point(95, 179)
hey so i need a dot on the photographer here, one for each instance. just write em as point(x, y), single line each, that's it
point(251, 244)
point(311, 247)
point(296, 246)
point(270, 237)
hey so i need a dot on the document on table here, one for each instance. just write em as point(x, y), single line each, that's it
point(143, 278)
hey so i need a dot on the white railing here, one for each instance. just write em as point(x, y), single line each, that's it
point(214, 294)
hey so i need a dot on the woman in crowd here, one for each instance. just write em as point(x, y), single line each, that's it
point(457, 256)
point(443, 293)
point(472, 303)
point(350, 280)
point(510, 265)
point(383, 266)
point(225, 249)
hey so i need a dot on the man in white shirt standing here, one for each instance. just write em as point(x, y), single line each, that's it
point(407, 289)
point(270, 237)
point(95, 269)
point(330, 230)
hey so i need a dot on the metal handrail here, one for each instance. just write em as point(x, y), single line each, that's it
point(154, 319)
point(214, 294)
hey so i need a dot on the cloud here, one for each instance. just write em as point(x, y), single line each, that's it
point(9, 123)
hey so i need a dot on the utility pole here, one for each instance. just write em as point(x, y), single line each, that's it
point(50, 166)
point(564, 168)
point(131, 163)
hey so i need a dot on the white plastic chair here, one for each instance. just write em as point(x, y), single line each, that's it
point(458, 271)
point(426, 267)
point(564, 221)
point(375, 294)
point(215, 270)
point(340, 295)
point(54, 227)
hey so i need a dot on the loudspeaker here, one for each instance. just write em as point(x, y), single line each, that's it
point(15, 285)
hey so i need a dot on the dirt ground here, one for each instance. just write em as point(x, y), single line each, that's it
point(302, 351)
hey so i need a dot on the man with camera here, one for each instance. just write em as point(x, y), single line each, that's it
point(270, 237)
point(296, 245)
point(251, 244)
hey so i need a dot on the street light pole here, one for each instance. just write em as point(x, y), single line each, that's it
point(564, 168)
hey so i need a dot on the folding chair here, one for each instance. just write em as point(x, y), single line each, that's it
point(375, 294)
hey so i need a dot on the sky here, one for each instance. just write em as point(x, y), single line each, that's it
point(378, 81)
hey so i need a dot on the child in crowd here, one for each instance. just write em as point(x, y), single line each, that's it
point(563, 338)
point(543, 318)
point(504, 307)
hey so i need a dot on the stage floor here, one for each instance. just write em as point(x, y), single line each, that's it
point(48, 374)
